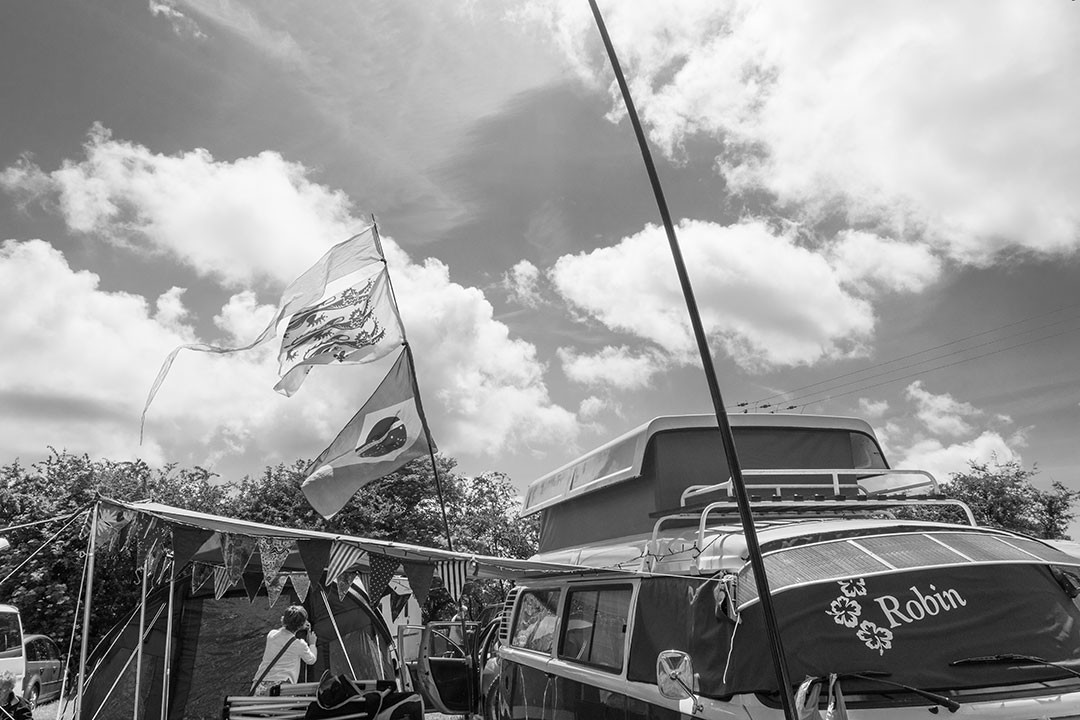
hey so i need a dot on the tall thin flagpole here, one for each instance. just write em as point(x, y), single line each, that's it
point(741, 497)
point(416, 393)
point(91, 549)
point(142, 630)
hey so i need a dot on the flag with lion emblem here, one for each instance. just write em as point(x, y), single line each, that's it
point(386, 433)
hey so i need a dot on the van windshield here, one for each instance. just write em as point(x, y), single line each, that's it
point(891, 623)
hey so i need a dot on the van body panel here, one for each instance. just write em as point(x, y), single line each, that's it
point(12, 654)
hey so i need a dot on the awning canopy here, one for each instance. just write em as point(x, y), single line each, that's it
point(216, 528)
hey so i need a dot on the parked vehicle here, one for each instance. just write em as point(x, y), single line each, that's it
point(12, 656)
point(44, 670)
point(899, 616)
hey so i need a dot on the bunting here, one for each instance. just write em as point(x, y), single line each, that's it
point(187, 541)
point(236, 551)
point(315, 555)
point(252, 583)
point(301, 583)
point(200, 573)
point(420, 576)
point(343, 582)
point(342, 557)
point(273, 552)
point(274, 587)
point(110, 525)
point(382, 569)
point(221, 582)
point(452, 573)
point(398, 602)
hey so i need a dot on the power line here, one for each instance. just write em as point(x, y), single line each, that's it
point(763, 402)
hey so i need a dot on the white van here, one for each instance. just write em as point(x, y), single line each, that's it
point(12, 657)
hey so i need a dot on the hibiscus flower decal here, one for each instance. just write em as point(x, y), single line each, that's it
point(845, 611)
point(875, 637)
point(853, 588)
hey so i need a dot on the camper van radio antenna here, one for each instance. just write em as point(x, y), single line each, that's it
point(738, 486)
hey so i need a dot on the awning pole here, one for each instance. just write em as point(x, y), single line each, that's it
point(142, 630)
point(746, 515)
point(91, 549)
point(168, 641)
point(337, 631)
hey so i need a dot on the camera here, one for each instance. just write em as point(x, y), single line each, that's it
point(303, 630)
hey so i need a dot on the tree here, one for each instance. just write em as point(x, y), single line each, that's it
point(1002, 496)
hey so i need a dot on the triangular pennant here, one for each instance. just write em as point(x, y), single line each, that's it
point(153, 534)
point(236, 551)
point(221, 582)
point(110, 521)
point(342, 557)
point(315, 555)
point(301, 584)
point(186, 542)
point(274, 588)
point(398, 602)
point(420, 576)
point(273, 552)
point(252, 583)
point(382, 569)
point(344, 581)
point(200, 573)
point(452, 573)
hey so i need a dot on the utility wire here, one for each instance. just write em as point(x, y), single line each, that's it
point(921, 372)
point(788, 394)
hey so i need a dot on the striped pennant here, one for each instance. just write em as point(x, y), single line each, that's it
point(221, 581)
point(342, 557)
point(452, 573)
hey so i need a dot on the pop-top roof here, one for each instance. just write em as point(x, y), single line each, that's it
point(622, 458)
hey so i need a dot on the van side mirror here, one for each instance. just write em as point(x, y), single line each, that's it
point(675, 675)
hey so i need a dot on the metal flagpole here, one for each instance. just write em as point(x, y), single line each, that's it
point(416, 393)
point(168, 641)
point(142, 629)
point(337, 631)
point(91, 548)
point(741, 497)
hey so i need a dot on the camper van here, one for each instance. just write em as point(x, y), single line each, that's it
point(12, 655)
point(880, 610)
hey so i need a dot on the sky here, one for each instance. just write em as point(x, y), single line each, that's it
point(877, 202)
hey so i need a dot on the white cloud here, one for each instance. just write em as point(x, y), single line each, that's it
point(257, 218)
point(867, 261)
point(769, 301)
point(591, 407)
point(238, 222)
point(522, 284)
point(614, 367)
point(942, 460)
point(872, 409)
point(955, 123)
point(181, 23)
point(941, 414)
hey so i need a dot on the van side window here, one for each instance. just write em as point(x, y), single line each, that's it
point(595, 628)
point(534, 625)
point(10, 637)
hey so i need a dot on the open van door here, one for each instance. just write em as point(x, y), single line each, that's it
point(440, 658)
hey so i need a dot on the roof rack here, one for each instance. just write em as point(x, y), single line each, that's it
point(850, 492)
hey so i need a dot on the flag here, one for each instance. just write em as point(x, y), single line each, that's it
point(357, 323)
point(383, 568)
point(452, 573)
point(350, 264)
point(342, 557)
point(383, 436)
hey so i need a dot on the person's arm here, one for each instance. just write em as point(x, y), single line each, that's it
point(309, 652)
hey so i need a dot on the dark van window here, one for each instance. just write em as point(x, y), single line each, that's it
point(10, 637)
point(33, 651)
point(534, 626)
point(595, 628)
